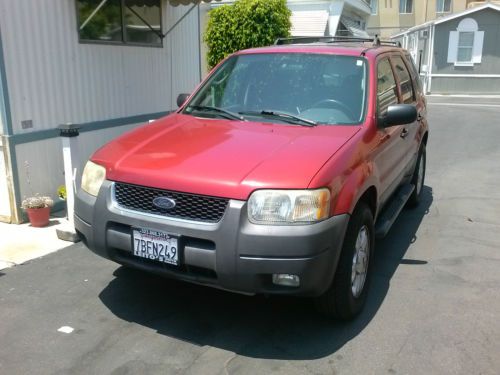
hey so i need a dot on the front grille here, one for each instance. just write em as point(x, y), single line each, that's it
point(188, 206)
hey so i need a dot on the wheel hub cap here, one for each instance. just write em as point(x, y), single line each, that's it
point(420, 179)
point(360, 262)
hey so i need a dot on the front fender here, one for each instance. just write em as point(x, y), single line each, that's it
point(354, 186)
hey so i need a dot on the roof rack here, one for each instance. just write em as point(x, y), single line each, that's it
point(335, 39)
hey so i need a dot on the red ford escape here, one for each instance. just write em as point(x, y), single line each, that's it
point(274, 176)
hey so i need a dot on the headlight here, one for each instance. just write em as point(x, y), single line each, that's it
point(288, 206)
point(92, 178)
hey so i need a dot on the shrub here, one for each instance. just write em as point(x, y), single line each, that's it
point(245, 24)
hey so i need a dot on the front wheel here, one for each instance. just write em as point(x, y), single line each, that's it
point(346, 296)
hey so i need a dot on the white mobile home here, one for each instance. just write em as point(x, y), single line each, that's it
point(107, 65)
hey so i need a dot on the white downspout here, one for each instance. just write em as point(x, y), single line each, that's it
point(431, 57)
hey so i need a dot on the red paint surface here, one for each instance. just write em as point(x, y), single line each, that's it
point(221, 157)
point(231, 159)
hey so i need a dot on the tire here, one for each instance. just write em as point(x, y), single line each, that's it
point(345, 299)
point(418, 178)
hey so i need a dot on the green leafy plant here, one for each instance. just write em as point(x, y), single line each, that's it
point(245, 24)
point(61, 192)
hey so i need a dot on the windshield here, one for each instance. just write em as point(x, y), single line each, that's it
point(319, 88)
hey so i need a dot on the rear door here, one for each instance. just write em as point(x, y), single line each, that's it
point(393, 151)
point(407, 95)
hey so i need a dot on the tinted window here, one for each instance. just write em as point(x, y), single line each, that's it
point(443, 6)
point(142, 21)
point(404, 80)
point(414, 71)
point(103, 23)
point(405, 6)
point(328, 89)
point(120, 21)
point(386, 86)
point(465, 46)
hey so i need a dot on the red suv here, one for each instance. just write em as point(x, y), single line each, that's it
point(274, 176)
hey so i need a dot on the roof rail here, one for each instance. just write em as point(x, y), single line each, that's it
point(335, 39)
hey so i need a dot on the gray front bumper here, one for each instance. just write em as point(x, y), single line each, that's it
point(233, 254)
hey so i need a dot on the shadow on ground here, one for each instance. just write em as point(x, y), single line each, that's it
point(259, 327)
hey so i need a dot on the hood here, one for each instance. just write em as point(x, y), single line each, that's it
point(220, 157)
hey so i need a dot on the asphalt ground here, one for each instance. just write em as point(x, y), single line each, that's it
point(433, 308)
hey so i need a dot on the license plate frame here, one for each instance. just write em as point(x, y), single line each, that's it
point(167, 249)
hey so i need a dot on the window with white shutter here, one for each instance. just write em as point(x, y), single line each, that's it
point(465, 46)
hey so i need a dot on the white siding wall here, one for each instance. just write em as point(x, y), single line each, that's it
point(46, 169)
point(53, 79)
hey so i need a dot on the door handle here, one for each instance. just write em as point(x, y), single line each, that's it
point(404, 133)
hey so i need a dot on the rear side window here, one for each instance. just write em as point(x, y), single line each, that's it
point(414, 71)
point(386, 86)
point(407, 93)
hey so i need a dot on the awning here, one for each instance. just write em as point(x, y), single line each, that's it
point(150, 3)
point(309, 23)
point(353, 27)
point(187, 2)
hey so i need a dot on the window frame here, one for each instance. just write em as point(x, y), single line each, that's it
point(195, 96)
point(442, 10)
point(406, 6)
point(471, 47)
point(381, 59)
point(392, 59)
point(412, 68)
point(123, 42)
point(468, 24)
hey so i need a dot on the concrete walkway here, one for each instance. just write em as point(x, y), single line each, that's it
point(21, 243)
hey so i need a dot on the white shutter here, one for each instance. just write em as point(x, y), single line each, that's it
point(477, 51)
point(453, 47)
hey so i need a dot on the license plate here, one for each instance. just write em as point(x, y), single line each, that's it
point(155, 245)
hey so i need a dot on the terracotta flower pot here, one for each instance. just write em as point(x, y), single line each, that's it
point(39, 217)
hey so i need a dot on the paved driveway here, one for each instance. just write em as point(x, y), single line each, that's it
point(434, 306)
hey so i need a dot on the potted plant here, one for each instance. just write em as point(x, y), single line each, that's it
point(37, 207)
point(38, 210)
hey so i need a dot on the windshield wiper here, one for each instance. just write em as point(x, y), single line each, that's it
point(228, 114)
point(284, 116)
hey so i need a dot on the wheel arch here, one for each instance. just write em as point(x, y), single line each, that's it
point(369, 197)
point(425, 138)
point(349, 197)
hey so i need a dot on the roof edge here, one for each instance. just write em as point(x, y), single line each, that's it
point(466, 12)
point(447, 18)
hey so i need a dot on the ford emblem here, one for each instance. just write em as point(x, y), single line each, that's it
point(164, 203)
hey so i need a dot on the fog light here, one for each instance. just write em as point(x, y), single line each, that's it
point(285, 279)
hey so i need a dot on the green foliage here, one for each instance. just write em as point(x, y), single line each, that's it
point(106, 24)
point(245, 24)
point(61, 192)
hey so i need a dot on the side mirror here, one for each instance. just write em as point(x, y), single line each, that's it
point(398, 114)
point(181, 99)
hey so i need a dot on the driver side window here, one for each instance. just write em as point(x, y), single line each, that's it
point(386, 86)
